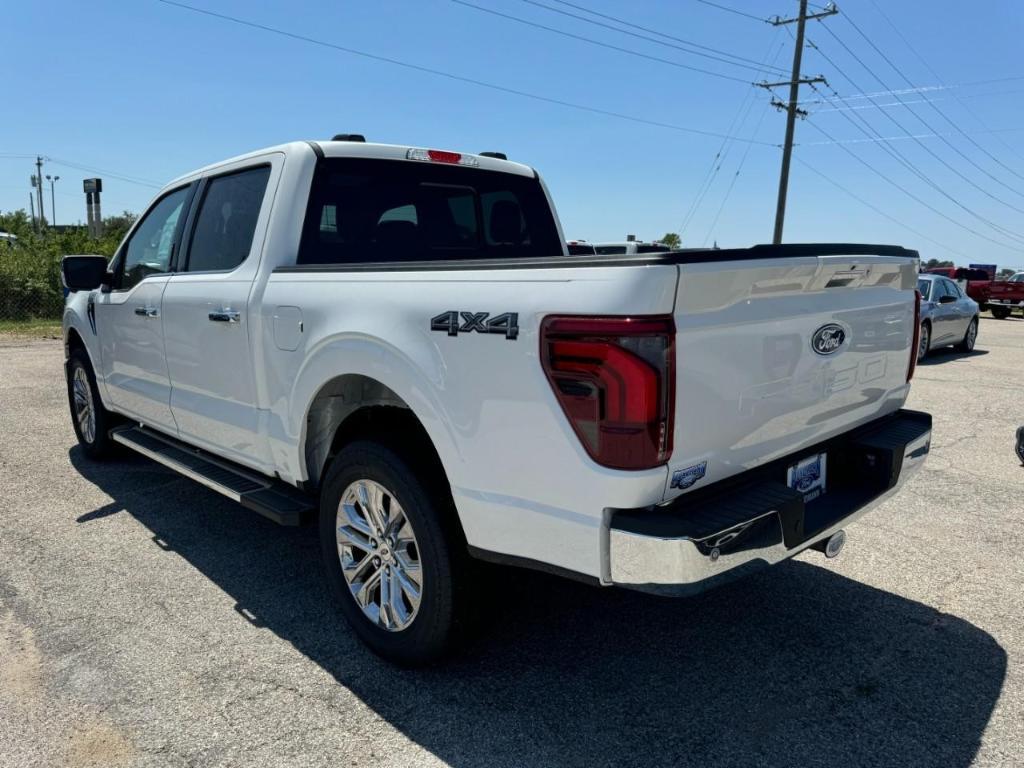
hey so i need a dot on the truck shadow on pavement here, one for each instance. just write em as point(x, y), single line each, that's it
point(799, 666)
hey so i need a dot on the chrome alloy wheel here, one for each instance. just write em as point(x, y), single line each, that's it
point(379, 555)
point(85, 412)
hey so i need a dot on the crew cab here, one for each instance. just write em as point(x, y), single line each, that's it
point(394, 341)
point(1004, 296)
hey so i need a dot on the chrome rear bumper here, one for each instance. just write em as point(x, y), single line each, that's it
point(703, 539)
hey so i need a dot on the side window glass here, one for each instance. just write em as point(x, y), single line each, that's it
point(227, 219)
point(149, 250)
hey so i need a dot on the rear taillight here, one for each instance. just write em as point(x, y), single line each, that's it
point(917, 335)
point(614, 378)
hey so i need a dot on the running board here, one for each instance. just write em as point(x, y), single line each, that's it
point(271, 498)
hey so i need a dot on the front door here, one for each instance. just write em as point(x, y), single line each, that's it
point(207, 319)
point(129, 317)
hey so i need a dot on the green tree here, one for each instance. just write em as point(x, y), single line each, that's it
point(671, 239)
point(1005, 272)
point(30, 284)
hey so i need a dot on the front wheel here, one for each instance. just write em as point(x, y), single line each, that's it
point(90, 419)
point(970, 338)
point(999, 313)
point(925, 341)
point(391, 557)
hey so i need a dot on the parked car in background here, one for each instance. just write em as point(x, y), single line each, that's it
point(580, 248)
point(629, 248)
point(948, 316)
point(1004, 296)
point(973, 281)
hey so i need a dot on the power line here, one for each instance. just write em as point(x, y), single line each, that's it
point(657, 32)
point(943, 115)
point(942, 138)
point(893, 152)
point(878, 210)
point(106, 173)
point(937, 77)
point(447, 75)
point(720, 156)
point(592, 41)
point(914, 197)
point(735, 177)
point(751, 64)
point(732, 10)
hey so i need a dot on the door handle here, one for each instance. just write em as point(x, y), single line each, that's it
point(225, 316)
point(147, 311)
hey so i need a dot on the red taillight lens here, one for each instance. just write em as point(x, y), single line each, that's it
point(614, 378)
point(917, 335)
point(440, 156)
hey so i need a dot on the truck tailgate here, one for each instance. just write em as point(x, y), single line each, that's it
point(776, 354)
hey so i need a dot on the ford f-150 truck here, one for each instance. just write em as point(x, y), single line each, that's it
point(394, 341)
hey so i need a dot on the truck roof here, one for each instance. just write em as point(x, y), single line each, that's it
point(362, 150)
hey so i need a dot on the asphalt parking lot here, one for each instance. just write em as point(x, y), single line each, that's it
point(145, 620)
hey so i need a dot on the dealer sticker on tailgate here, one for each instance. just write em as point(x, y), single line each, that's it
point(808, 476)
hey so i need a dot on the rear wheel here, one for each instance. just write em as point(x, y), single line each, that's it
point(999, 313)
point(391, 557)
point(970, 338)
point(90, 419)
point(925, 342)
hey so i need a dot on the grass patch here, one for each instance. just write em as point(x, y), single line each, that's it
point(33, 329)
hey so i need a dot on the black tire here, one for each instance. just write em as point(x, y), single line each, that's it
point(970, 337)
point(999, 313)
point(437, 621)
point(925, 341)
point(95, 441)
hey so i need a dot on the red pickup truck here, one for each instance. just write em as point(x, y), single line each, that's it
point(1006, 295)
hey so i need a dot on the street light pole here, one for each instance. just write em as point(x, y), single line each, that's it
point(53, 198)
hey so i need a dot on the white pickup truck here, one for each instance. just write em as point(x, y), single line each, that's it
point(395, 340)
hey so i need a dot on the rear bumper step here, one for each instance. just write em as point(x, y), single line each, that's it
point(702, 539)
point(272, 499)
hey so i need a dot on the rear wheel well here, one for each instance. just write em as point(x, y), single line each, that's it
point(355, 407)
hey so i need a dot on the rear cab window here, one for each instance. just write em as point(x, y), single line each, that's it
point(366, 210)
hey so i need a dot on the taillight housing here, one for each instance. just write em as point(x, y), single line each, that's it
point(615, 379)
point(917, 335)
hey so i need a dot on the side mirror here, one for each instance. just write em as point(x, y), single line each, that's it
point(947, 299)
point(83, 273)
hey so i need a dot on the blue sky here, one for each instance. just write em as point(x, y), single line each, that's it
point(149, 91)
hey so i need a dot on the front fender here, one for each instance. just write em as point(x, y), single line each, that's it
point(78, 318)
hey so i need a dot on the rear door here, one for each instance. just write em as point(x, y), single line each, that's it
point(129, 317)
point(209, 338)
point(774, 355)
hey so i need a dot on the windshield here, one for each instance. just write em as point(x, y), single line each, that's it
point(1018, 278)
point(925, 287)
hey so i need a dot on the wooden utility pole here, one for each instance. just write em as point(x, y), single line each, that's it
point(792, 110)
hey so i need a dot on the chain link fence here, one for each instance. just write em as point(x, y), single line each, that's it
point(30, 287)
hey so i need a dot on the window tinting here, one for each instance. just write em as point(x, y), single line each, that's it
point(924, 286)
point(149, 250)
point(394, 210)
point(609, 250)
point(227, 220)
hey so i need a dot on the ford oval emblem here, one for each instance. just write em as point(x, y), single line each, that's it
point(828, 339)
